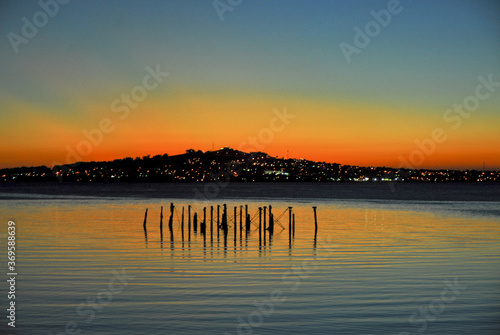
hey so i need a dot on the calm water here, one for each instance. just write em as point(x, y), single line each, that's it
point(424, 259)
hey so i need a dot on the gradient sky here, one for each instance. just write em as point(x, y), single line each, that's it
point(226, 78)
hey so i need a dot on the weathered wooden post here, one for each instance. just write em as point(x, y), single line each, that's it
point(171, 223)
point(235, 222)
point(246, 213)
point(260, 224)
point(315, 221)
point(171, 239)
point(218, 221)
point(145, 219)
point(218, 215)
point(211, 221)
point(195, 222)
point(203, 226)
point(189, 220)
point(290, 223)
point(224, 220)
point(241, 220)
point(161, 223)
point(264, 216)
point(182, 223)
point(171, 220)
point(144, 226)
point(271, 221)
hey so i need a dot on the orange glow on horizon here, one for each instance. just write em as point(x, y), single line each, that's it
point(335, 132)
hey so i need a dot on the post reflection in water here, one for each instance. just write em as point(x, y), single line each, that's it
point(368, 227)
point(342, 237)
point(260, 241)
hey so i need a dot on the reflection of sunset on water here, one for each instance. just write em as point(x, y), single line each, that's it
point(383, 258)
point(355, 233)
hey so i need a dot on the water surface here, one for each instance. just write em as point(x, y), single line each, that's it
point(376, 266)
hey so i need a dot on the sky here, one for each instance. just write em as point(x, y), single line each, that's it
point(101, 80)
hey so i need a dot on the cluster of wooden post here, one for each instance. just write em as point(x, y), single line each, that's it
point(222, 221)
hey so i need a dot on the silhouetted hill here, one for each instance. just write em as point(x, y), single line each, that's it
point(228, 164)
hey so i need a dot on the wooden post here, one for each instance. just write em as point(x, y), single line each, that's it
point(204, 224)
point(260, 224)
point(182, 223)
point(241, 221)
point(218, 215)
point(161, 223)
point(211, 221)
point(171, 220)
point(195, 222)
point(235, 222)
point(315, 221)
point(218, 221)
point(224, 220)
point(294, 225)
point(290, 222)
point(246, 215)
point(264, 216)
point(171, 239)
point(225, 242)
point(145, 219)
point(189, 220)
point(144, 226)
